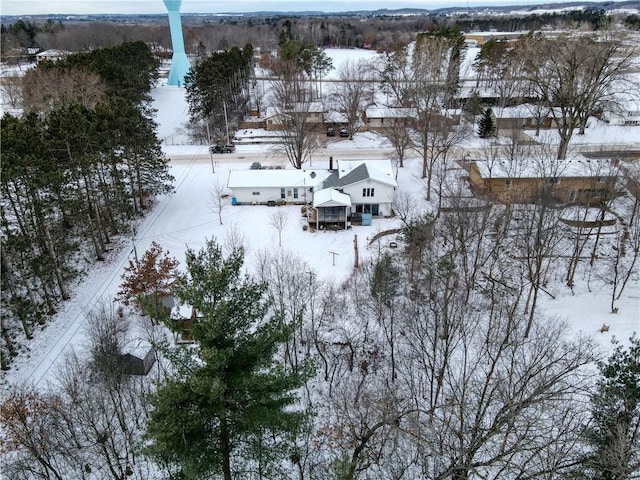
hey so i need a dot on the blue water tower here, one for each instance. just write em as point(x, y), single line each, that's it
point(179, 62)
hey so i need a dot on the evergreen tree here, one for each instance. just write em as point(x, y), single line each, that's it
point(229, 401)
point(614, 432)
point(487, 124)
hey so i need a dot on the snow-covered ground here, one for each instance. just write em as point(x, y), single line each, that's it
point(186, 219)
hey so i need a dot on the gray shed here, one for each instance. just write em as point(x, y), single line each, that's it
point(137, 358)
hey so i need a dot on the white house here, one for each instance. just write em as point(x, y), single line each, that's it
point(624, 112)
point(353, 189)
point(370, 185)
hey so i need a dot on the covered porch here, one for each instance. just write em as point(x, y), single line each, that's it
point(331, 209)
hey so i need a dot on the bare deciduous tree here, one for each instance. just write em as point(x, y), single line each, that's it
point(45, 89)
point(219, 199)
point(349, 96)
point(398, 136)
point(574, 75)
point(279, 220)
point(297, 134)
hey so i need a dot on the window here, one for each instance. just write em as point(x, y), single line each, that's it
point(573, 195)
point(508, 182)
point(282, 192)
point(255, 193)
point(295, 193)
point(368, 192)
point(553, 180)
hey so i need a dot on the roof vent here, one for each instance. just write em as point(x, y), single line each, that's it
point(312, 174)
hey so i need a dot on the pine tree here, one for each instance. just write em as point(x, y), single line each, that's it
point(487, 124)
point(229, 402)
point(614, 432)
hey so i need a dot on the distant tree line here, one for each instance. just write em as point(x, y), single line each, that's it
point(266, 32)
point(78, 167)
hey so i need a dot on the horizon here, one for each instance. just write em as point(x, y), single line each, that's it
point(155, 7)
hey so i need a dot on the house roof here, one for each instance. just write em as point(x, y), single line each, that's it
point(329, 197)
point(375, 112)
point(351, 172)
point(582, 168)
point(526, 110)
point(276, 178)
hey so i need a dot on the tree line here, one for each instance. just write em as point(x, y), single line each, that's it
point(383, 32)
point(79, 167)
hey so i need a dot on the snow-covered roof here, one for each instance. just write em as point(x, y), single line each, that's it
point(335, 117)
point(400, 112)
point(53, 53)
point(526, 110)
point(379, 170)
point(276, 178)
point(330, 197)
point(582, 167)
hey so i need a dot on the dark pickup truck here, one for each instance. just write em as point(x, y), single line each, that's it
point(222, 148)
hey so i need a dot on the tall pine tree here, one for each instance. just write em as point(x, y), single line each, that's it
point(228, 405)
point(614, 431)
point(487, 124)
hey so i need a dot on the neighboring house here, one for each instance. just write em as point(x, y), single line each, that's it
point(52, 55)
point(375, 117)
point(627, 112)
point(523, 116)
point(582, 181)
point(480, 38)
point(355, 189)
point(277, 119)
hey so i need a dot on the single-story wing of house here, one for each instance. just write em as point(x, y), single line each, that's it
point(252, 187)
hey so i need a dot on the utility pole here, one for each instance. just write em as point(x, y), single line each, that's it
point(133, 239)
point(226, 121)
point(213, 170)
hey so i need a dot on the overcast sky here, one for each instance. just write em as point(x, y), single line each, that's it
point(40, 7)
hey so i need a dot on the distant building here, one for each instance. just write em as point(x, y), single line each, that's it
point(581, 181)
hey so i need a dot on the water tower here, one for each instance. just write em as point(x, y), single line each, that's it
point(179, 62)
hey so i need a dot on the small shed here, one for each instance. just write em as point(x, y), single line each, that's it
point(137, 358)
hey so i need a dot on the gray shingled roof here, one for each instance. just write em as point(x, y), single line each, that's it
point(356, 175)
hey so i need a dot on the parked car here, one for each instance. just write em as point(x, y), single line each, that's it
point(255, 166)
point(330, 132)
point(344, 132)
point(222, 148)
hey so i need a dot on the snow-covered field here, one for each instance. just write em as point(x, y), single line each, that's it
point(186, 219)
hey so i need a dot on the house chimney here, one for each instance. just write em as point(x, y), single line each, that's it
point(330, 163)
